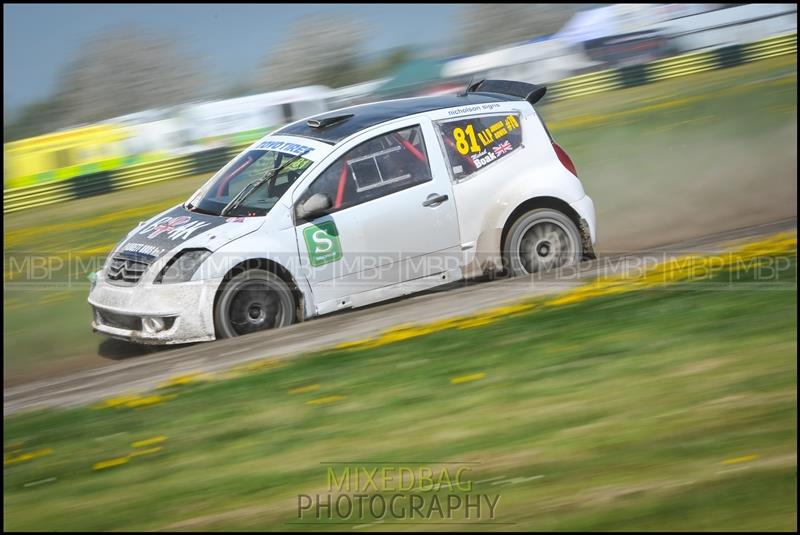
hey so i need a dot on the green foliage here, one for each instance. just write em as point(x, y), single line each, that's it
point(588, 418)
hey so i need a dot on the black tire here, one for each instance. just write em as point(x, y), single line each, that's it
point(540, 240)
point(252, 301)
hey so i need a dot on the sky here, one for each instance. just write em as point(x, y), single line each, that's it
point(39, 40)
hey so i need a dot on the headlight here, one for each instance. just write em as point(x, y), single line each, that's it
point(182, 266)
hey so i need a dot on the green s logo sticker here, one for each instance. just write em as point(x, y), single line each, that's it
point(322, 242)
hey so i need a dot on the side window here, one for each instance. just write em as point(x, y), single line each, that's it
point(378, 167)
point(475, 142)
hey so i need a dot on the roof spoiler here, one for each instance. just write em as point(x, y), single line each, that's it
point(531, 92)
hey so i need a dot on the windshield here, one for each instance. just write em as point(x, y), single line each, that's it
point(248, 167)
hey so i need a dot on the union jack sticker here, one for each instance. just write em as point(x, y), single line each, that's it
point(502, 148)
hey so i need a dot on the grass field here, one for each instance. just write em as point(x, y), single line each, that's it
point(664, 161)
point(581, 416)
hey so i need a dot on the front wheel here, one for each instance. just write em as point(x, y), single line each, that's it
point(254, 300)
point(539, 240)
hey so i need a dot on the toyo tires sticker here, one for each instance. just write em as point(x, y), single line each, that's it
point(322, 242)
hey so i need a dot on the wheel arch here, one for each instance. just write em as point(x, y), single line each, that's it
point(273, 267)
point(554, 203)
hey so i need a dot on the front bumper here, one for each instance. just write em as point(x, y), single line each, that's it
point(185, 311)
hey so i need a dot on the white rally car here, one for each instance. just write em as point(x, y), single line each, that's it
point(349, 208)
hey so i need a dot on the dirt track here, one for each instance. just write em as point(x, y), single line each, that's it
point(691, 187)
point(136, 372)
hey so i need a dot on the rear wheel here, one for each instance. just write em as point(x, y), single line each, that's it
point(540, 240)
point(254, 300)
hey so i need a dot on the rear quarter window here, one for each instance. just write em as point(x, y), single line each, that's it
point(473, 143)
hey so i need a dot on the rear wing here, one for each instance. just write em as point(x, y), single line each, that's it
point(531, 92)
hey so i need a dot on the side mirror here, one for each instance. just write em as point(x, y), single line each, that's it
point(315, 206)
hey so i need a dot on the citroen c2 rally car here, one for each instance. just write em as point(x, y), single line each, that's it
point(349, 208)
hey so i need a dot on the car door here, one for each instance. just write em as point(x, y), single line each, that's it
point(393, 217)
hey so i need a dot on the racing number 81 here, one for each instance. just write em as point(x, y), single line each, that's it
point(462, 146)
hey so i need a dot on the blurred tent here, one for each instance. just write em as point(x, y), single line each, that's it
point(620, 19)
point(624, 34)
point(410, 77)
point(620, 34)
point(589, 24)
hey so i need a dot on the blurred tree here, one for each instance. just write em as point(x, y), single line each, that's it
point(127, 70)
point(386, 63)
point(317, 50)
point(237, 89)
point(33, 120)
point(486, 26)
